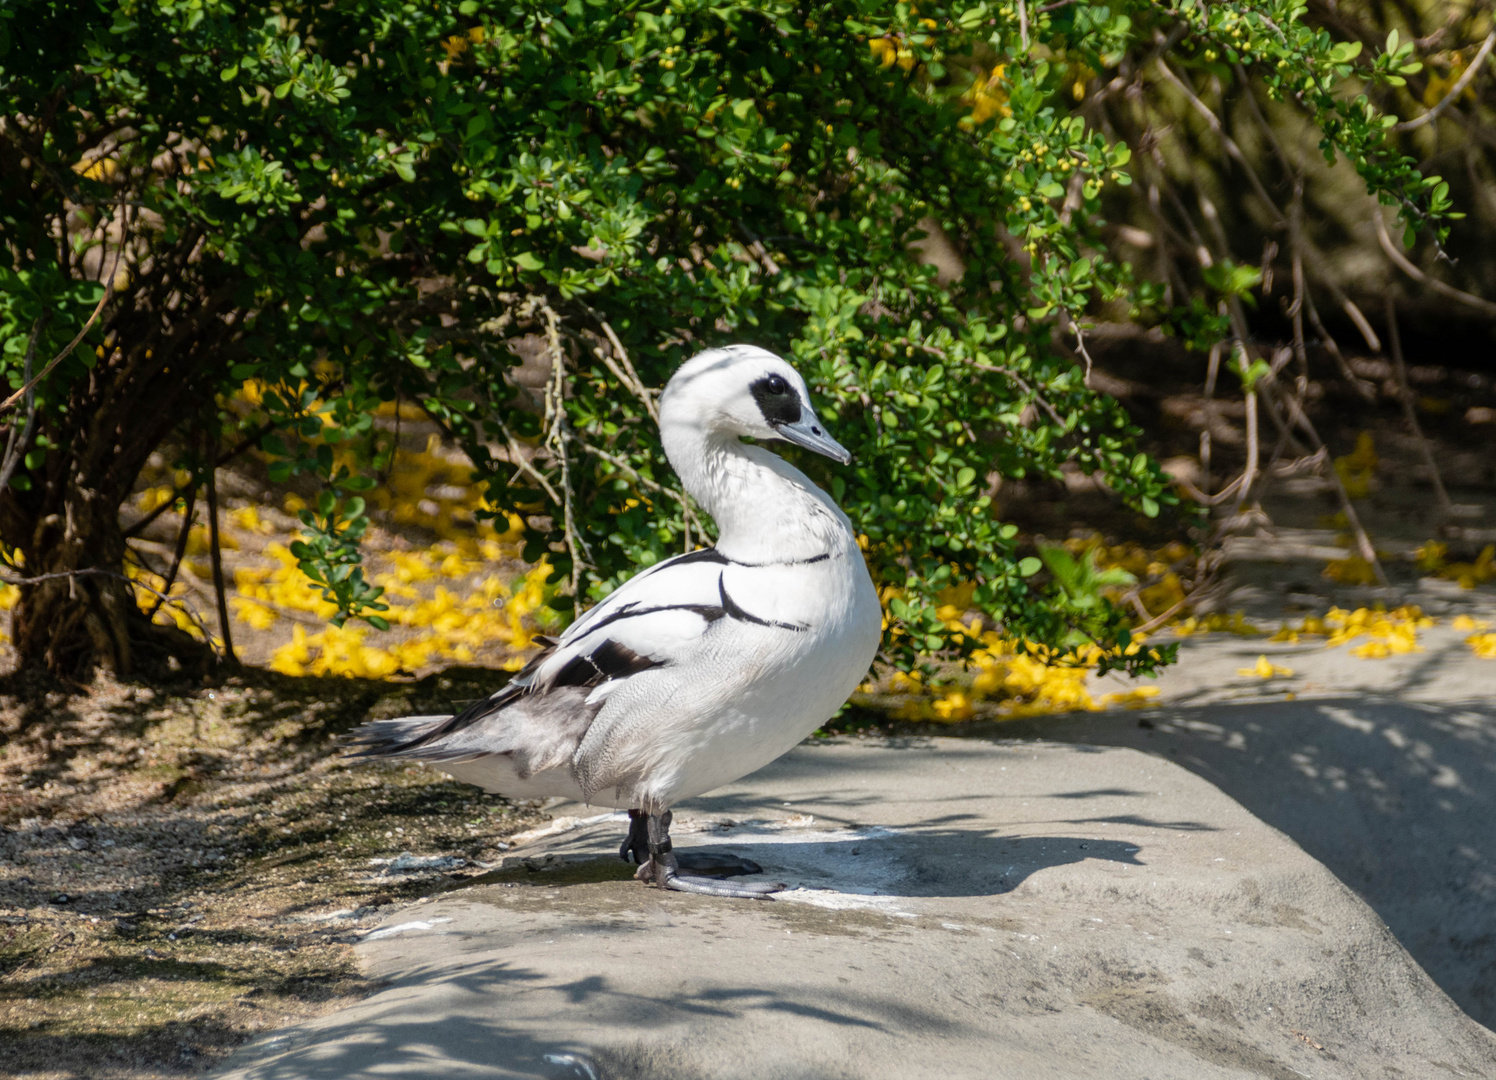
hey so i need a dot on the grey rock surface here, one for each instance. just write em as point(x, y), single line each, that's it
point(961, 908)
point(1396, 798)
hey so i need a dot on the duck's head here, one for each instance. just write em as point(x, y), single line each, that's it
point(742, 391)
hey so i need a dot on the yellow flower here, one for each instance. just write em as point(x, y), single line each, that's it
point(953, 707)
point(257, 616)
point(103, 168)
point(1431, 556)
point(1136, 698)
point(1265, 669)
point(1351, 570)
point(1469, 575)
point(1358, 468)
point(987, 95)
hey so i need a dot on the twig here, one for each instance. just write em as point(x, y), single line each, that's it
point(556, 438)
point(627, 380)
point(181, 548)
point(1022, 385)
point(628, 377)
point(1209, 500)
point(1454, 91)
point(8, 403)
point(1207, 406)
point(687, 511)
point(1402, 263)
point(1358, 531)
point(1250, 473)
point(95, 571)
point(15, 446)
point(1361, 386)
point(523, 464)
point(1405, 392)
point(215, 553)
point(1203, 581)
point(1159, 620)
point(249, 442)
point(1080, 346)
point(1227, 141)
point(1354, 313)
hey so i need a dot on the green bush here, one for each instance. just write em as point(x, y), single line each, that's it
point(362, 201)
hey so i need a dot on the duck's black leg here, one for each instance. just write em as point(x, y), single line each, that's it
point(663, 868)
point(635, 847)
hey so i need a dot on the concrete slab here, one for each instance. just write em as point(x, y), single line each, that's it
point(961, 909)
point(1396, 797)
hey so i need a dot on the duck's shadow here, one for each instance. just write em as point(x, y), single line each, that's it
point(923, 862)
point(858, 862)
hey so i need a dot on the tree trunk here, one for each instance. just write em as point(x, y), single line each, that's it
point(71, 624)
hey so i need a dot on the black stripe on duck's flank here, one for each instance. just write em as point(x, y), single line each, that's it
point(610, 660)
point(730, 606)
point(710, 612)
point(707, 554)
point(777, 400)
point(712, 555)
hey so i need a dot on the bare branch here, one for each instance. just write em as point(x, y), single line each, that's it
point(622, 465)
point(1401, 262)
point(9, 403)
point(216, 553)
point(557, 436)
point(1454, 91)
point(180, 550)
point(1080, 347)
point(1410, 412)
point(248, 442)
point(1024, 386)
point(15, 446)
point(95, 571)
point(627, 377)
point(1227, 141)
point(1358, 531)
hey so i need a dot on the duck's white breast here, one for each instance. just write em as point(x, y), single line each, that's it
point(760, 682)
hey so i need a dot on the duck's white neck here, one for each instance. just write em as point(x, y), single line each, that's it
point(766, 510)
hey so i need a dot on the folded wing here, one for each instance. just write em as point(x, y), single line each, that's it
point(656, 619)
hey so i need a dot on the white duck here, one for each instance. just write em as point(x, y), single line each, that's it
point(704, 667)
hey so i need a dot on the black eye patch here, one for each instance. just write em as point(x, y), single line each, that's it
point(777, 400)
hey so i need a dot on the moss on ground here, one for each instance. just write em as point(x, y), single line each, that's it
point(182, 867)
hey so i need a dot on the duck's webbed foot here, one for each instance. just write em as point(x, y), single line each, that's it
point(663, 866)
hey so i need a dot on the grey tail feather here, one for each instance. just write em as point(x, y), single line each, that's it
point(393, 738)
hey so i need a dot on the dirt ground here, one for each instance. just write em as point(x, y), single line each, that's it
point(182, 867)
